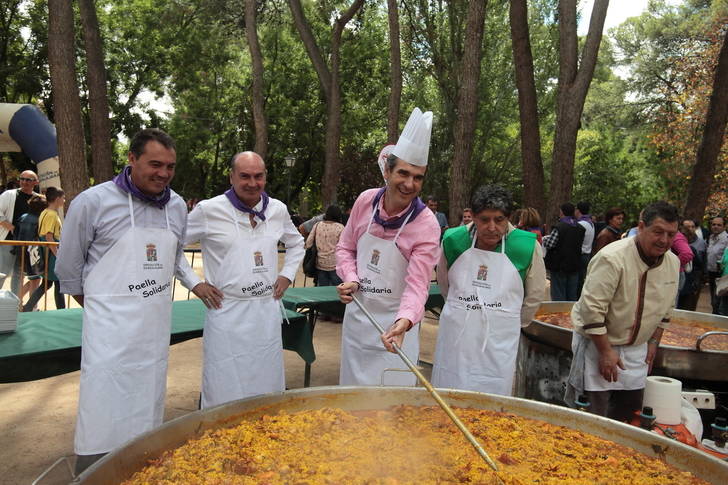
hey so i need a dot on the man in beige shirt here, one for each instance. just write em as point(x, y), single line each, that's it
point(625, 305)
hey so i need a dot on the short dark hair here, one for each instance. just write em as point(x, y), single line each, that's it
point(583, 207)
point(614, 211)
point(37, 204)
point(53, 193)
point(492, 197)
point(718, 217)
point(661, 209)
point(431, 198)
point(392, 161)
point(140, 140)
point(333, 213)
point(568, 209)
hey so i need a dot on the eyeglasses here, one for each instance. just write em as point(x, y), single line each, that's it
point(24, 179)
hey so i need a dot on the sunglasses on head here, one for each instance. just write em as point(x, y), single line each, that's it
point(24, 179)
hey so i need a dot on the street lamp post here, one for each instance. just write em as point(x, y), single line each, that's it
point(290, 162)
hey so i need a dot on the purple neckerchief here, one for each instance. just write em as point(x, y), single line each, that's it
point(414, 209)
point(124, 182)
point(240, 205)
point(568, 220)
point(587, 218)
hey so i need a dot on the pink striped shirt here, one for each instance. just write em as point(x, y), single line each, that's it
point(419, 243)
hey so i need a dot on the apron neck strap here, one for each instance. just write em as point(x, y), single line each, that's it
point(235, 213)
point(131, 213)
point(396, 236)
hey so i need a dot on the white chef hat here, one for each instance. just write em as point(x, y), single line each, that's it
point(413, 145)
point(382, 160)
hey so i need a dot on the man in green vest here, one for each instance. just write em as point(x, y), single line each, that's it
point(493, 278)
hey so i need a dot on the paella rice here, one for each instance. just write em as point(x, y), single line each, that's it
point(402, 445)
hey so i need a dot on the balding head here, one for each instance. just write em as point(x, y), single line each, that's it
point(28, 180)
point(246, 157)
point(247, 176)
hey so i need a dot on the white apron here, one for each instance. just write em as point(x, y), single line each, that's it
point(381, 269)
point(477, 344)
point(126, 330)
point(242, 344)
point(632, 377)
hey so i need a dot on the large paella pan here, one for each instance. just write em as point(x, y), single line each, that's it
point(127, 460)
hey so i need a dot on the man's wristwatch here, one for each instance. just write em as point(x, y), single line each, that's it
point(653, 340)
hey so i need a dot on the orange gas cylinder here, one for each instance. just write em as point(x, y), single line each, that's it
point(678, 432)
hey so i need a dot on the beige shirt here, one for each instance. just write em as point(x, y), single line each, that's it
point(327, 235)
point(534, 286)
point(623, 297)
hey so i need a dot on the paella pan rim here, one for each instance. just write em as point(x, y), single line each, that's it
point(129, 458)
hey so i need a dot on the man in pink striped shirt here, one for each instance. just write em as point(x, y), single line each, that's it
point(387, 253)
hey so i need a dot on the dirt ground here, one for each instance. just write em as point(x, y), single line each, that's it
point(37, 418)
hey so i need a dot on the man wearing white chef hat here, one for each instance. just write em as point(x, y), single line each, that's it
point(626, 302)
point(386, 255)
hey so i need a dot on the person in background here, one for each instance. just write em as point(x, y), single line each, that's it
point(499, 271)
point(49, 229)
point(306, 227)
point(563, 247)
point(717, 244)
point(613, 231)
point(13, 204)
point(625, 305)
point(688, 299)
point(681, 249)
point(386, 255)
point(530, 221)
point(723, 300)
point(325, 235)
point(584, 219)
point(27, 230)
point(467, 216)
point(432, 204)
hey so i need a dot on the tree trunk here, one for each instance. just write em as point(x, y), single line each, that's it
point(66, 101)
point(259, 118)
point(533, 179)
point(710, 145)
point(574, 80)
point(101, 154)
point(395, 83)
point(467, 106)
point(329, 81)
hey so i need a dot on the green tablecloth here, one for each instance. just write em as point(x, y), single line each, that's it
point(315, 297)
point(49, 343)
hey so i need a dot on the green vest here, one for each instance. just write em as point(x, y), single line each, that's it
point(519, 247)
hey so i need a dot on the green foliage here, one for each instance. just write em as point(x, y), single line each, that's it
point(194, 53)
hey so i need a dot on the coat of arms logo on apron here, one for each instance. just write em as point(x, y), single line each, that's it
point(151, 252)
point(482, 273)
point(258, 256)
point(375, 257)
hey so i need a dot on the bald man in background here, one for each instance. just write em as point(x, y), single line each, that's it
point(13, 204)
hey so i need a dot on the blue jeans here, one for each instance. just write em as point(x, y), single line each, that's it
point(327, 278)
point(10, 265)
point(564, 286)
